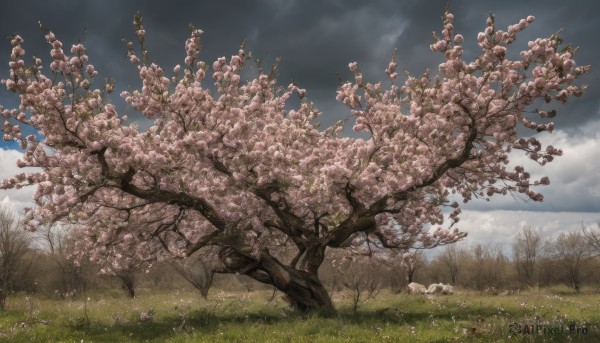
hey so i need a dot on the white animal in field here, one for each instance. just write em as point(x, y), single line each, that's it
point(435, 288)
point(416, 288)
point(440, 288)
point(447, 289)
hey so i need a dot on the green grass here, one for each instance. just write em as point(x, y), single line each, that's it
point(252, 317)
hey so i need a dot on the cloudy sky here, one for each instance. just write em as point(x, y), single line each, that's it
point(315, 41)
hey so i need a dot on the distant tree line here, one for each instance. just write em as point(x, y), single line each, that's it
point(41, 262)
point(533, 261)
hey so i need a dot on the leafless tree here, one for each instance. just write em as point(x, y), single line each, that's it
point(451, 258)
point(14, 245)
point(488, 267)
point(573, 252)
point(480, 255)
point(198, 271)
point(70, 274)
point(498, 267)
point(593, 238)
point(527, 247)
point(364, 286)
point(52, 237)
point(361, 276)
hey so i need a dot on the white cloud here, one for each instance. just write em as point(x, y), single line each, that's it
point(574, 177)
point(572, 199)
point(501, 226)
point(17, 199)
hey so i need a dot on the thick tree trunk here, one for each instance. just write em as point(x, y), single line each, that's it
point(304, 291)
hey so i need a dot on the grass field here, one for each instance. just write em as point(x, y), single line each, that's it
point(256, 317)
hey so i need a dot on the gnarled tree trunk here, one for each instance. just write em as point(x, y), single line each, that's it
point(304, 291)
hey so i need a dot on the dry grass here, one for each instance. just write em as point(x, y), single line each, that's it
point(255, 317)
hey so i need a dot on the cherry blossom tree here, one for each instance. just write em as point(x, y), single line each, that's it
point(238, 173)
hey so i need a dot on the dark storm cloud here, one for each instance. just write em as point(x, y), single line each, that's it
point(314, 39)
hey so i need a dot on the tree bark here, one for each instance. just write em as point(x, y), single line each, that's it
point(303, 290)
